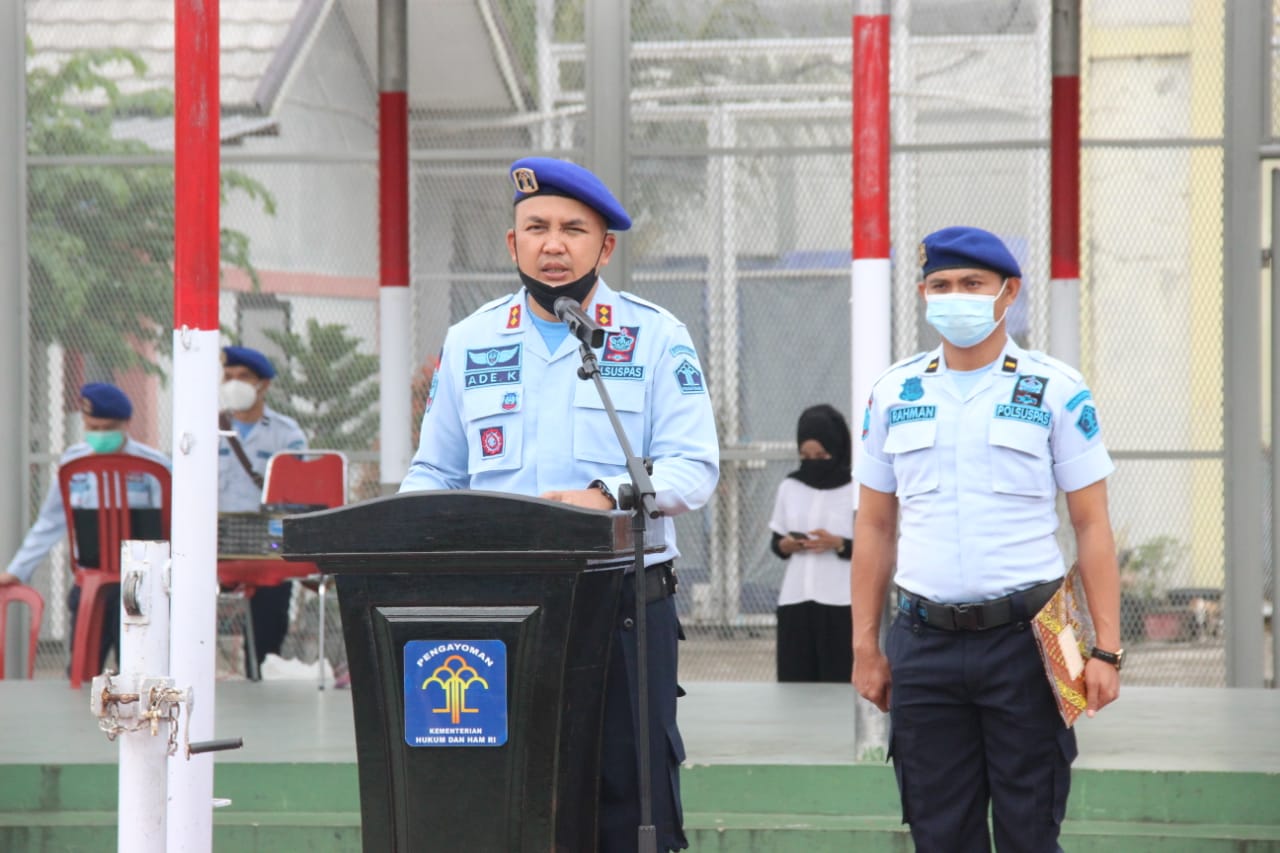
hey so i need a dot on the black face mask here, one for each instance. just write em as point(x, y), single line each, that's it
point(546, 295)
point(822, 473)
point(577, 290)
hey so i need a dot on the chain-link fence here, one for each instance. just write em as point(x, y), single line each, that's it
point(738, 164)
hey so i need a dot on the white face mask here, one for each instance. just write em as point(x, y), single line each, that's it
point(964, 319)
point(236, 395)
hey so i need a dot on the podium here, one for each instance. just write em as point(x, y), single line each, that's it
point(478, 628)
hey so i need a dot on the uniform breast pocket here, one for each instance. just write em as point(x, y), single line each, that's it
point(593, 437)
point(495, 429)
point(1020, 462)
point(914, 462)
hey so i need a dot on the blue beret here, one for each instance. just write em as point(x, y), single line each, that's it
point(102, 400)
point(548, 176)
point(962, 247)
point(250, 358)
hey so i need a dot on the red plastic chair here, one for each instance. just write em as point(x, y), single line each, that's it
point(315, 478)
point(35, 605)
point(110, 472)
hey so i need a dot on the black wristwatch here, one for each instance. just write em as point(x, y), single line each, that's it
point(1115, 658)
point(604, 490)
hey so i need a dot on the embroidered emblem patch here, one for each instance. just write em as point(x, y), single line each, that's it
point(621, 345)
point(912, 389)
point(513, 317)
point(1029, 390)
point(604, 314)
point(690, 379)
point(492, 366)
point(680, 349)
point(1087, 423)
point(866, 419)
point(431, 392)
point(509, 401)
point(492, 442)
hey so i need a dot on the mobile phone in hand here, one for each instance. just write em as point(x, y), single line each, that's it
point(796, 534)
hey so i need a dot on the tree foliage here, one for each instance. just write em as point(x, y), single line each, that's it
point(328, 386)
point(101, 237)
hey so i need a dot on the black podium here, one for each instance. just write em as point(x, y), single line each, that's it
point(478, 628)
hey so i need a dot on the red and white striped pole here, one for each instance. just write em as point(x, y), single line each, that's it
point(394, 311)
point(1064, 147)
point(189, 826)
point(870, 297)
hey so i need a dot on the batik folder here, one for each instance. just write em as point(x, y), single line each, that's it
point(1064, 635)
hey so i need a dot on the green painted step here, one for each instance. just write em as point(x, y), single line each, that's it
point(747, 808)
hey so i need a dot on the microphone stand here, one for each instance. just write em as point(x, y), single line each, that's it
point(639, 499)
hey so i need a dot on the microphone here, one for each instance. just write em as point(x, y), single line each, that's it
point(582, 327)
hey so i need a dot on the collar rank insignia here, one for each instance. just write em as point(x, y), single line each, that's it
point(933, 364)
point(1010, 365)
point(525, 180)
point(912, 390)
point(513, 317)
point(604, 314)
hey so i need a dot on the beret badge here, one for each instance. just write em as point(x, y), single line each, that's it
point(922, 255)
point(86, 406)
point(525, 180)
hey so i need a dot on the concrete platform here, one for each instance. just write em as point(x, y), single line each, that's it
point(1149, 728)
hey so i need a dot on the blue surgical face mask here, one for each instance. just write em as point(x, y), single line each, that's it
point(964, 319)
point(104, 440)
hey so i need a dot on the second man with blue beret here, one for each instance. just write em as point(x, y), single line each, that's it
point(508, 412)
point(256, 432)
point(964, 451)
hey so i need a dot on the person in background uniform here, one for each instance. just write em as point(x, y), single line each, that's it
point(812, 528)
point(105, 413)
point(971, 443)
point(507, 412)
point(260, 431)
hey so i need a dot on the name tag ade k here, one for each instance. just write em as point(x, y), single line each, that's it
point(492, 366)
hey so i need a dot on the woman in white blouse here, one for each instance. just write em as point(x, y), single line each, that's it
point(812, 528)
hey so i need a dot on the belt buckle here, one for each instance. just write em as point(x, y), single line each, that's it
point(967, 617)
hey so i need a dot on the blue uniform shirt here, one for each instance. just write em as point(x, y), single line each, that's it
point(507, 415)
point(274, 432)
point(51, 525)
point(977, 472)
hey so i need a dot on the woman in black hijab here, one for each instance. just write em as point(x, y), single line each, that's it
point(812, 526)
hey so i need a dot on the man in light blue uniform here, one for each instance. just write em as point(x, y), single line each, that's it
point(105, 412)
point(260, 431)
point(972, 442)
point(508, 412)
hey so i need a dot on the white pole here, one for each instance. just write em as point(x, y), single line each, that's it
point(144, 655)
point(195, 585)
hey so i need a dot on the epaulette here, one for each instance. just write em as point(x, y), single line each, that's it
point(920, 356)
point(1067, 370)
point(653, 306)
point(494, 303)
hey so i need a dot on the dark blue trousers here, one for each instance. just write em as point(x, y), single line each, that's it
point(975, 726)
point(619, 816)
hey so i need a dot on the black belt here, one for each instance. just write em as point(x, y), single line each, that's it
point(659, 581)
point(980, 615)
